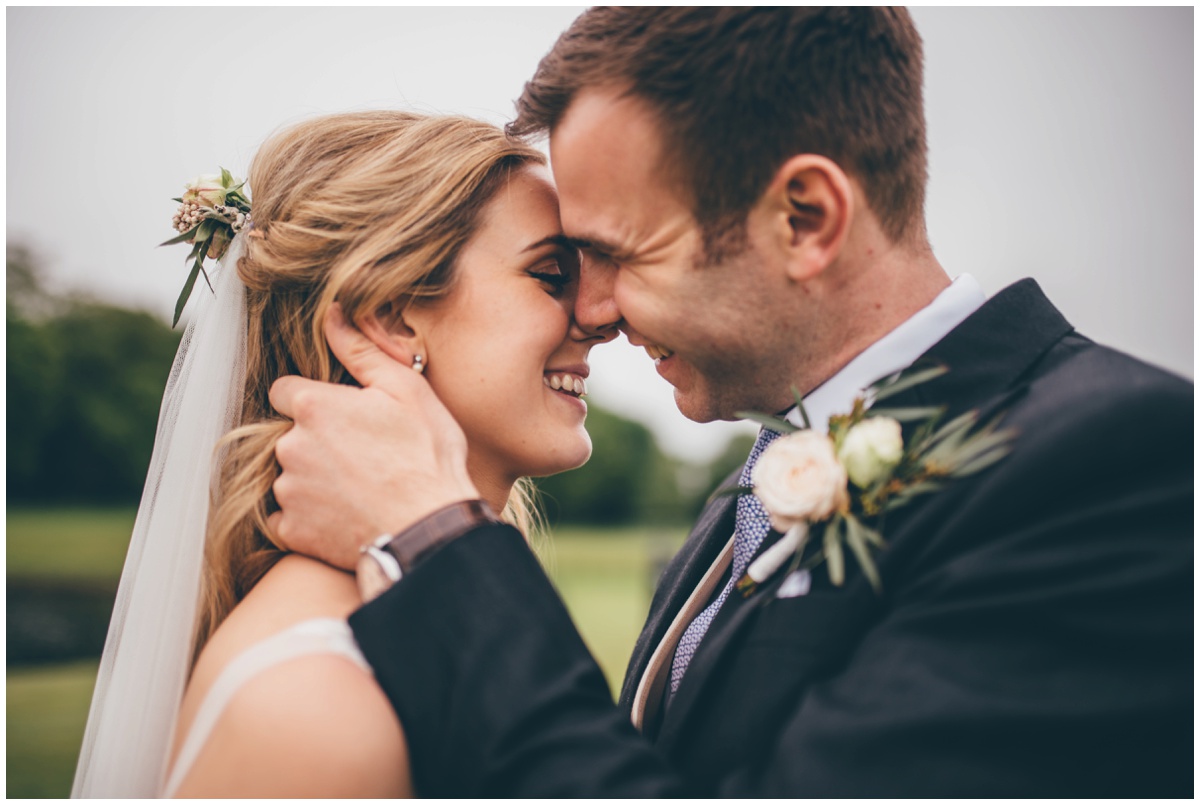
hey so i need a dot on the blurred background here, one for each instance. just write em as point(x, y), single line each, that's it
point(1061, 147)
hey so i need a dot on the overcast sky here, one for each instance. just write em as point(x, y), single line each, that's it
point(1061, 145)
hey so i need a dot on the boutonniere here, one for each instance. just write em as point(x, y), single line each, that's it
point(212, 210)
point(838, 486)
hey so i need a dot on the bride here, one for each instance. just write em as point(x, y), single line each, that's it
point(229, 669)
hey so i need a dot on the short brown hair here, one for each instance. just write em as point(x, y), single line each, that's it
point(740, 90)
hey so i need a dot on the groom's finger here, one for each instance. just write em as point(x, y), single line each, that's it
point(366, 362)
point(285, 392)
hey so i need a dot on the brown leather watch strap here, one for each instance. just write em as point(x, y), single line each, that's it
point(417, 542)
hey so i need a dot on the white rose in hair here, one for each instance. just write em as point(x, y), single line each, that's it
point(206, 191)
point(798, 479)
point(871, 450)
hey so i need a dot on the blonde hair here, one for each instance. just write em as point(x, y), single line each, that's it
point(365, 209)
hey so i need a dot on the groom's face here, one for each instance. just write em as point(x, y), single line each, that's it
point(713, 329)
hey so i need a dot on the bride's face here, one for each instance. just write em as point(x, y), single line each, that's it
point(496, 346)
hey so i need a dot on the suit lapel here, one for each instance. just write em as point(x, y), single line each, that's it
point(989, 352)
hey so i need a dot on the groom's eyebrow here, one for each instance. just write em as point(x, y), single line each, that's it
point(597, 246)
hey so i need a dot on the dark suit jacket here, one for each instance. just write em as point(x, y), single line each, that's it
point(1033, 636)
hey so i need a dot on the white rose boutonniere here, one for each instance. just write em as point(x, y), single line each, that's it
point(871, 450)
point(798, 478)
point(863, 468)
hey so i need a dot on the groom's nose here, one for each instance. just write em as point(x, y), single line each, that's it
point(595, 308)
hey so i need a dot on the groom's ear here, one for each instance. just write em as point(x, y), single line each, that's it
point(808, 207)
point(387, 328)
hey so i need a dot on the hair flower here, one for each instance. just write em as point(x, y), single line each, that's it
point(212, 209)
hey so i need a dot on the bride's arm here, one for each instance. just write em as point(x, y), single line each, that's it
point(316, 726)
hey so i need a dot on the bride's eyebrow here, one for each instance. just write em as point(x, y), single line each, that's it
point(558, 240)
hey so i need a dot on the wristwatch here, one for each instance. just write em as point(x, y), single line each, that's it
point(384, 561)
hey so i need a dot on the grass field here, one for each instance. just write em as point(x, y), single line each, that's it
point(604, 575)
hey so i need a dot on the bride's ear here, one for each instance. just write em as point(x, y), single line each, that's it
point(387, 329)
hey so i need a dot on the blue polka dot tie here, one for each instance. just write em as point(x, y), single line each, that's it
point(750, 529)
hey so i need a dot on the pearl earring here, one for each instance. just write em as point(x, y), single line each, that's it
point(418, 364)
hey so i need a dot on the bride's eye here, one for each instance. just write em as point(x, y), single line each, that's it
point(552, 274)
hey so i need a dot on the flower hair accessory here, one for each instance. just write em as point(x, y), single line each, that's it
point(834, 484)
point(211, 211)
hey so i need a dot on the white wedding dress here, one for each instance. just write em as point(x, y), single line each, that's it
point(147, 654)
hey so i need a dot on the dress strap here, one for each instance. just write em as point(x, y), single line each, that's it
point(317, 636)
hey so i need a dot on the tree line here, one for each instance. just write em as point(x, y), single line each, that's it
point(85, 379)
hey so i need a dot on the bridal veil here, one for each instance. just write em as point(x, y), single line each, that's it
point(147, 654)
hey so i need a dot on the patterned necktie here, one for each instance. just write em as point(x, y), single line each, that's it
point(749, 531)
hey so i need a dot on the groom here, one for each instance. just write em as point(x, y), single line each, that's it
point(747, 189)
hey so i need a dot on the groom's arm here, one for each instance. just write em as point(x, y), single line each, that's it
point(496, 691)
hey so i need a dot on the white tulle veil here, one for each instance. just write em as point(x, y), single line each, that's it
point(144, 668)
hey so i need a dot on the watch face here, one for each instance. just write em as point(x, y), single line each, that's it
point(371, 576)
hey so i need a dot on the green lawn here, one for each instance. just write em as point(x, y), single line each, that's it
point(46, 710)
point(604, 576)
point(84, 544)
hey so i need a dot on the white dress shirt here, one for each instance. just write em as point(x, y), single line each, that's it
point(892, 353)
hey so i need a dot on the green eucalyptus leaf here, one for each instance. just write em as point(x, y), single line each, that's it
point(205, 229)
point(948, 439)
point(200, 265)
point(908, 414)
point(883, 389)
point(833, 555)
point(908, 493)
point(799, 398)
point(978, 445)
point(866, 534)
point(980, 463)
point(180, 200)
point(181, 238)
point(854, 538)
point(771, 422)
point(184, 294)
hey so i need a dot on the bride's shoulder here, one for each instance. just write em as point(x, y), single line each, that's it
point(296, 589)
point(316, 723)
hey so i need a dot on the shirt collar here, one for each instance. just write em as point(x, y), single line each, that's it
point(894, 352)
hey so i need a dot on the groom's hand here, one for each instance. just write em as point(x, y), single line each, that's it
point(361, 462)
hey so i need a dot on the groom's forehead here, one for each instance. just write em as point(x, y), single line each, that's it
point(609, 158)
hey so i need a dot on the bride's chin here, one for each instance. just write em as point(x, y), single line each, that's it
point(566, 454)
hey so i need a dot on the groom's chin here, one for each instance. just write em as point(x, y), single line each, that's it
point(699, 406)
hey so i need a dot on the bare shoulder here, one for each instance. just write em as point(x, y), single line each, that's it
point(296, 589)
point(315, 725)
